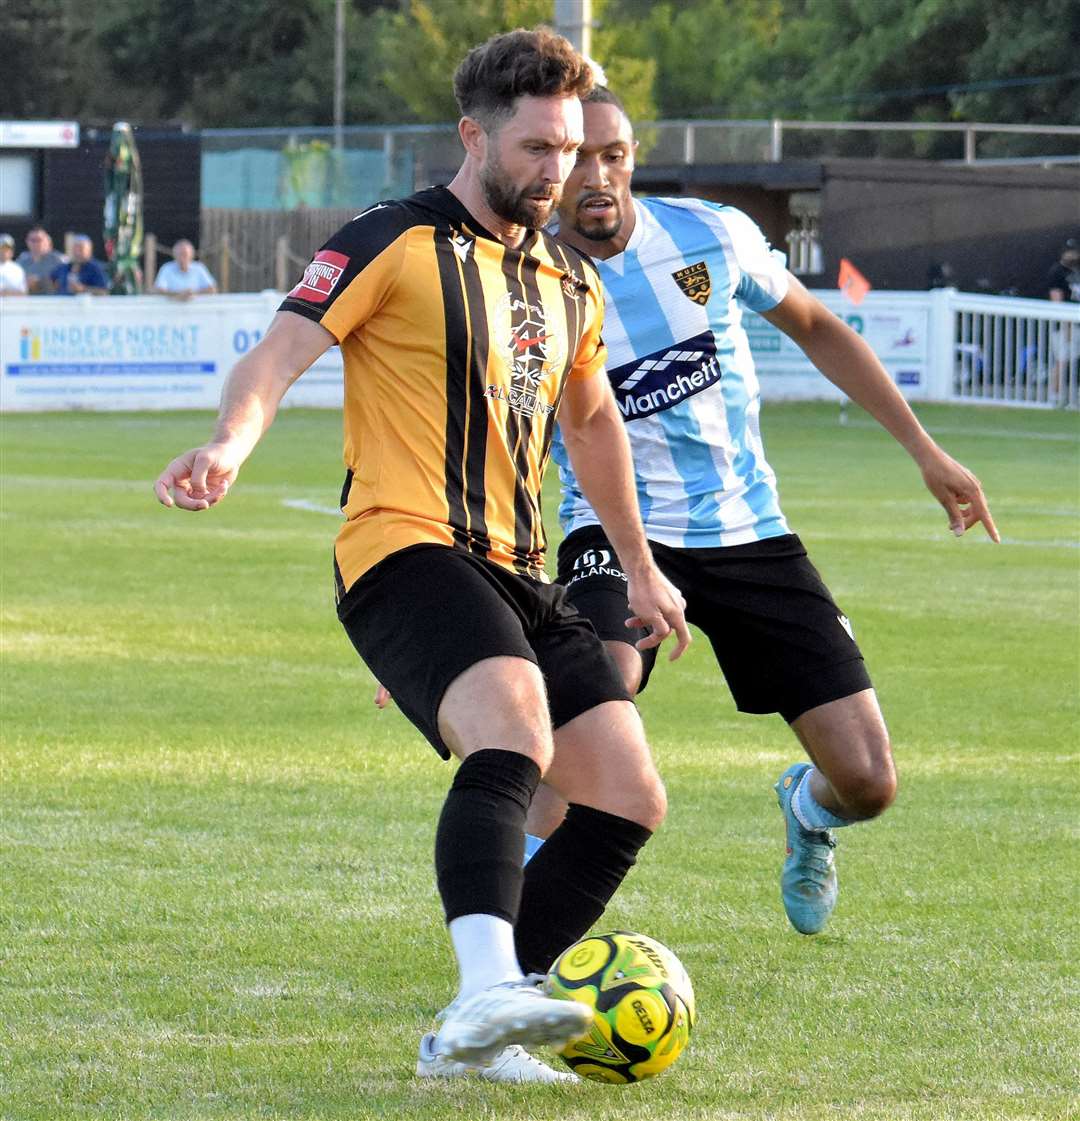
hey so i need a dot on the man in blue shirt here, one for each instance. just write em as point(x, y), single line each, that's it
point(82, 273)
point(678, 274)
point(183, 276)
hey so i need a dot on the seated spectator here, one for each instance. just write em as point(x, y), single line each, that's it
point(183, 276)
point(12, 276)
point(39, 261)
point(82, 273)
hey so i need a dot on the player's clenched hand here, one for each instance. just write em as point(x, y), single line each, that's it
point(199, 478)
point(959, 492)
point(659, 607)
point(382, 696)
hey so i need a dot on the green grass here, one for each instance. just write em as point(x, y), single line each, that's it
point(218, 899)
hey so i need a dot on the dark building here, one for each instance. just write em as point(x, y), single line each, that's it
point(68, 193)
point(998, 228)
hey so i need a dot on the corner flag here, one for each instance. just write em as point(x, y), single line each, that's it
point(852, 283)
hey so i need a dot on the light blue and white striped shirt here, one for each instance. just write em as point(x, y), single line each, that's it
point(679, 361)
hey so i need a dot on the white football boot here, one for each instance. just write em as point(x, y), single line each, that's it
point(511, 1064)
point(476, 1030)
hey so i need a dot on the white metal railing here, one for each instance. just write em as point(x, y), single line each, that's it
point(1015, 351)
point(969, 130)
point(941, 345)
point(687, 142)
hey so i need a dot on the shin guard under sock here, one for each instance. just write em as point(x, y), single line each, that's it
point(569, 881)
point(480, 838)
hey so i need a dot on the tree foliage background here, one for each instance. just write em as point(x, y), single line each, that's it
point(235, 63)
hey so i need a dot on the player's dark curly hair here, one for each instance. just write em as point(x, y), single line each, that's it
point(519, 63)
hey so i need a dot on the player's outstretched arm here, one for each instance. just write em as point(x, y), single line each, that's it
point(201, 477)
point(599, 451)
point(845, 358)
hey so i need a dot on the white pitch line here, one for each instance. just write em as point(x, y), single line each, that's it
point(316, 508)
point(311, 507)
point(1003, 433)
point(1034, 544)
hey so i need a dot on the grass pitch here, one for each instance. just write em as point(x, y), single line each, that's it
point(218, 899)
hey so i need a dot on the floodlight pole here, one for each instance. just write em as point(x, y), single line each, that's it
point(573, 18)
point(339, 75)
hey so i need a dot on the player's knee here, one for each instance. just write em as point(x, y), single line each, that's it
point(869, 791)
point(643, 800)
point(653, 804)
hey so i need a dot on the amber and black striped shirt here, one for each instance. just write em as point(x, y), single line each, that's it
point(456, 352)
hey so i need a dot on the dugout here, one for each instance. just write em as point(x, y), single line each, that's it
point(998, 227)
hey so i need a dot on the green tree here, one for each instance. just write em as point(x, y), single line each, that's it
point(854, 60)
point(1025, 40)
point(217, 61)
point(53, 65)
point(421, 44)
point(270, 62)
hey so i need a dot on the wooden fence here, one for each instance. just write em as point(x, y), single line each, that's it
point(250, 250)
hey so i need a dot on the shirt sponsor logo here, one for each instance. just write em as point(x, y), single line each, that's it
point(694, 282)
point(532, 351)
point(320, 277)
point(666, 377)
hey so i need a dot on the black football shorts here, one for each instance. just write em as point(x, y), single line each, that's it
point(782, 643)
point(427, 613)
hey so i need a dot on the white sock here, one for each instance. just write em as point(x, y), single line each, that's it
point(810, 814)
point(484, 945)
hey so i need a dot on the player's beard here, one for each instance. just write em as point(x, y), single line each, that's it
point(596, 228)
point(517, 205)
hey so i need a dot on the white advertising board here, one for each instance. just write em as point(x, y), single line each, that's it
point(151, 352)
point(39, 134)
point(140, 352)
point(896, 325)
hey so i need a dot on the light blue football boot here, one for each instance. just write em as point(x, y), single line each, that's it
point(808, 884)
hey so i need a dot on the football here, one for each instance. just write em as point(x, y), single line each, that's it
point(642, 999)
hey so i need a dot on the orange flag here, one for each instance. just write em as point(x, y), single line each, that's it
point(852, 283)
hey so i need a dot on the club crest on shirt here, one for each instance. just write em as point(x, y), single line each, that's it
point(694, 282)
point(572, 285)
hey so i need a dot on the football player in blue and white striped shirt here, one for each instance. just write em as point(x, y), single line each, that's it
point(678, 273)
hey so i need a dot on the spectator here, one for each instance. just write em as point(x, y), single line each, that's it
point(183, 276)
point(1063, 286)
point(1063, 279)
point(82, 273)
point(940, 275)
point(12, 276)
point(39, 261)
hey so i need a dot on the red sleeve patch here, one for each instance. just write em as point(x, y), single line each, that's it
point(320, 277)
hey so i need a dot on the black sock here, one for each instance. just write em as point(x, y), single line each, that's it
point(480, 840)
point(569, 881)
